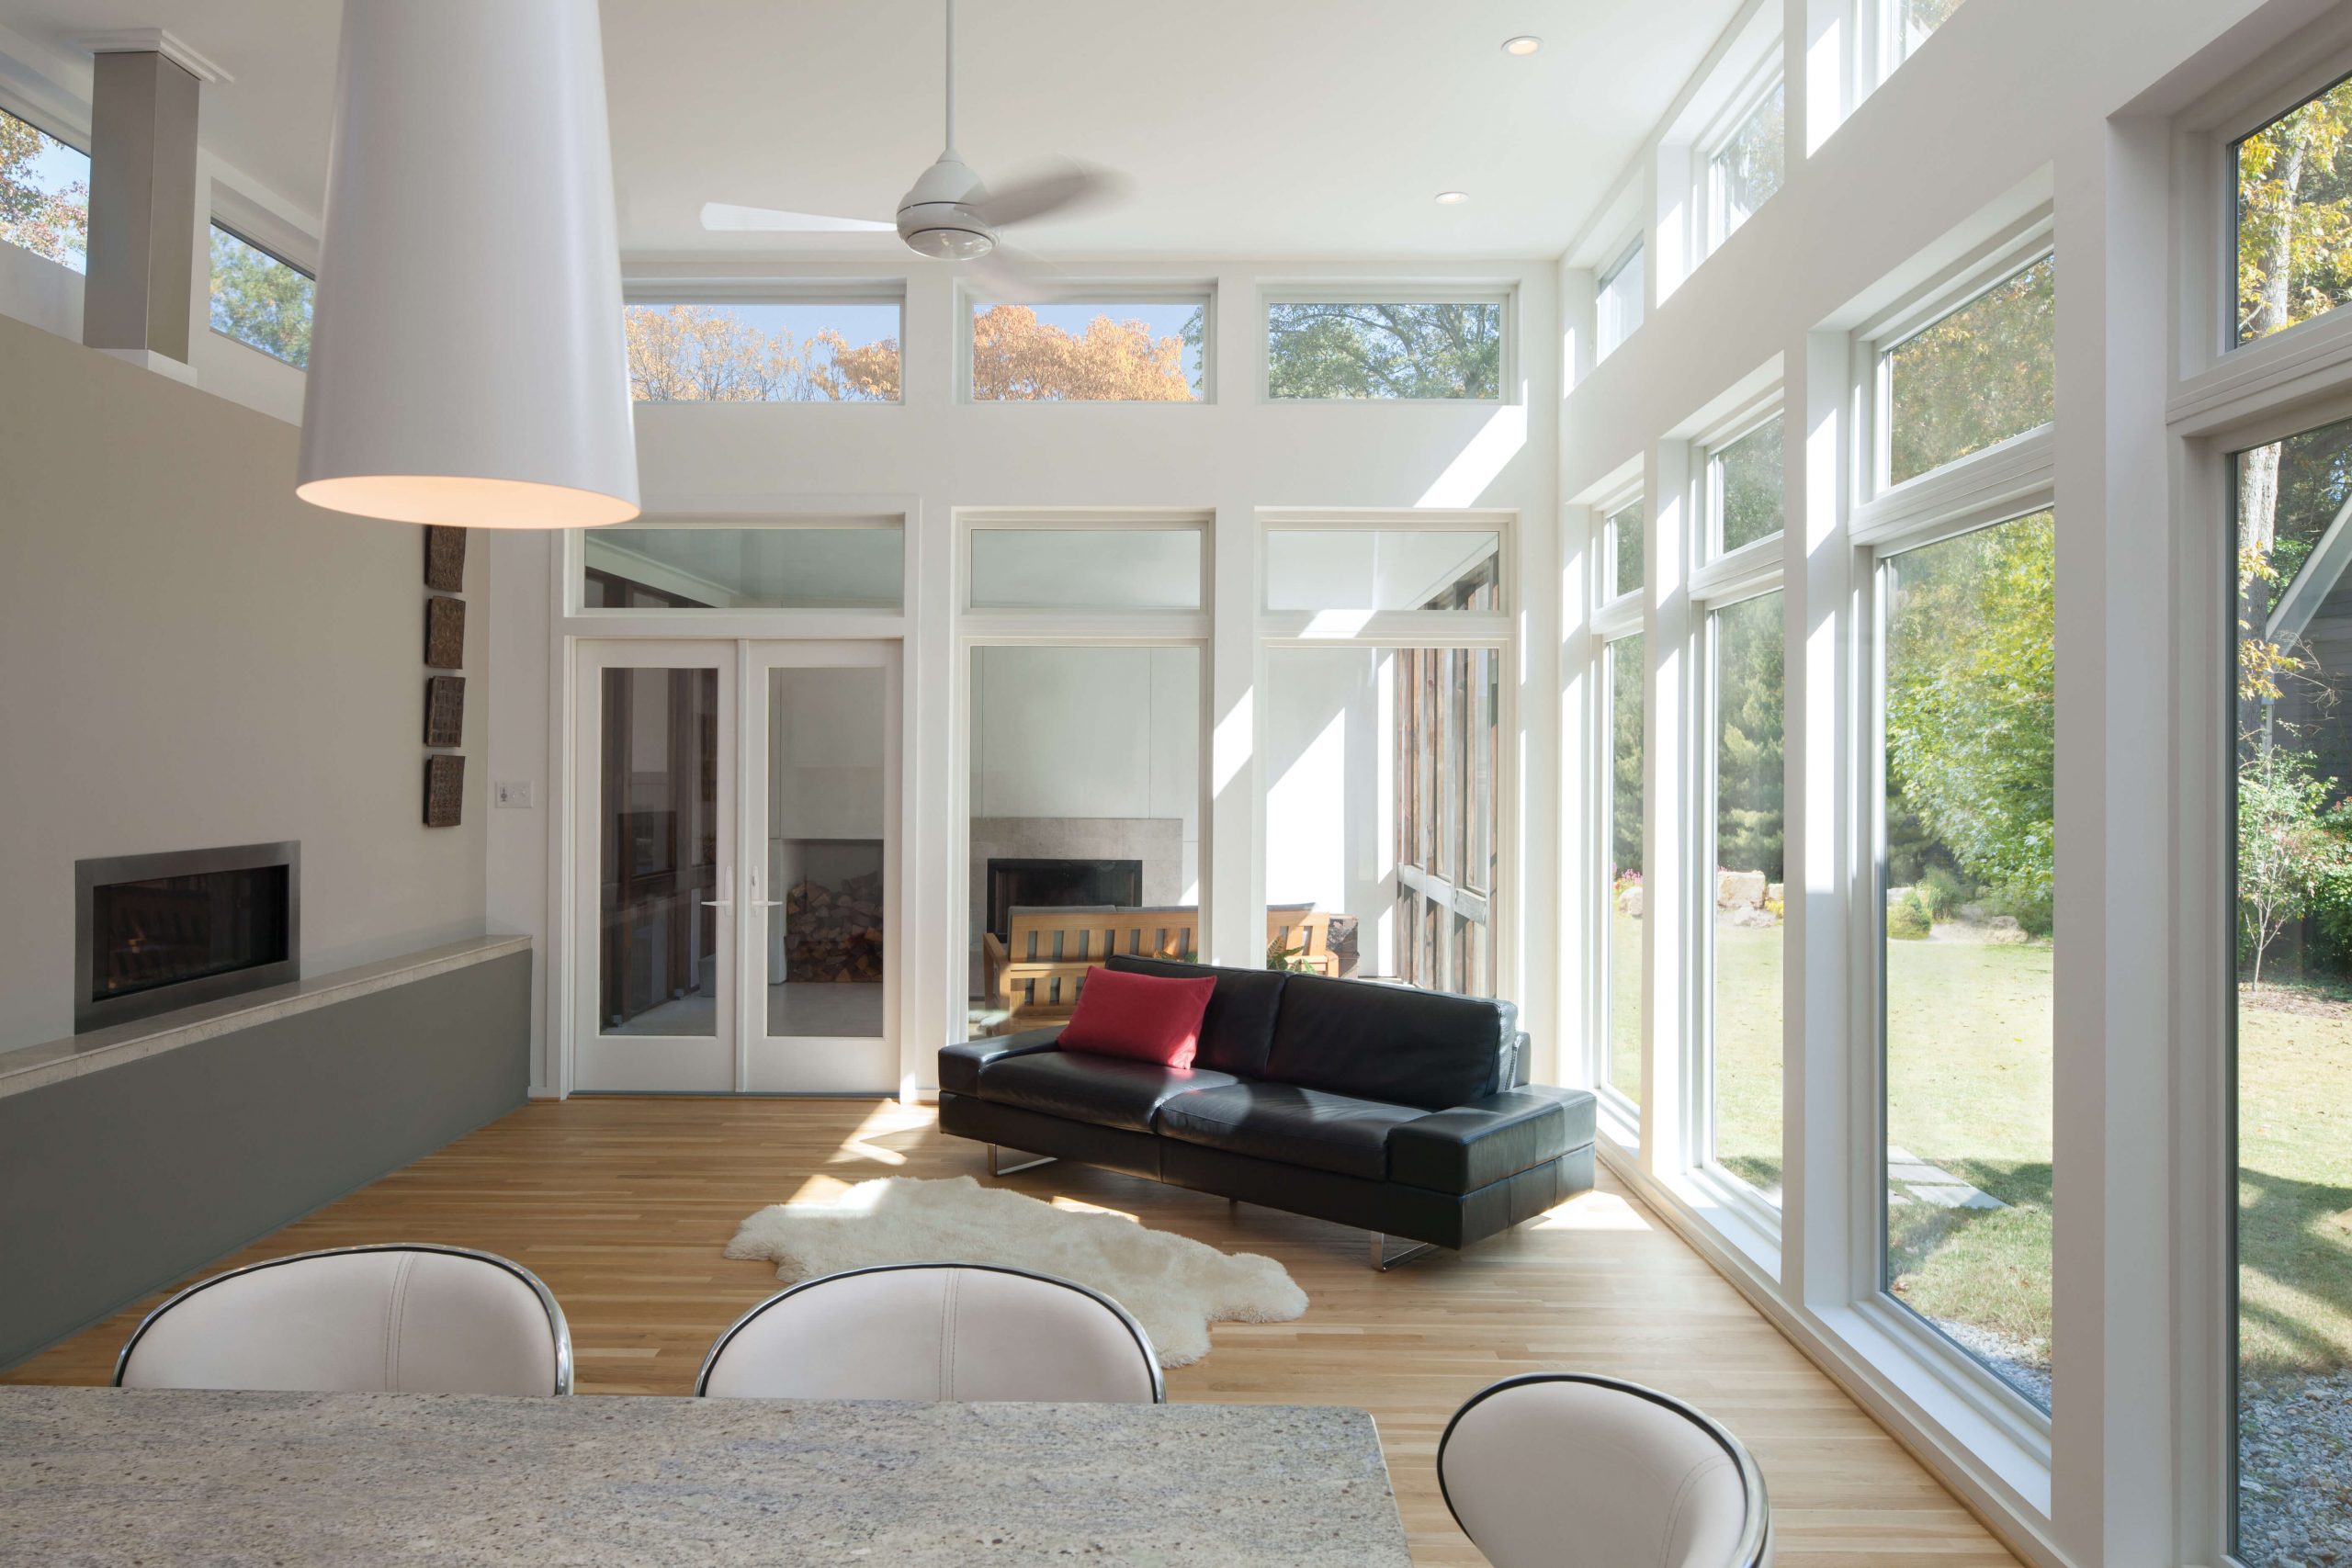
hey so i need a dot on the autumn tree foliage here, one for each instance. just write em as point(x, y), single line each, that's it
point(681, 353)
point(1018, 358)
point(54, 224)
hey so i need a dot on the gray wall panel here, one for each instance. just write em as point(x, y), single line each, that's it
point(117, 1182)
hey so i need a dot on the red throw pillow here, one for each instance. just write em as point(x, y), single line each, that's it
point(1146, 1017)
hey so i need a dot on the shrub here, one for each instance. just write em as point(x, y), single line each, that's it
point(1906, 918)
point(1940, 893)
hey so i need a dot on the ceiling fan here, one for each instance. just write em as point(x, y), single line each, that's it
point(949, 214)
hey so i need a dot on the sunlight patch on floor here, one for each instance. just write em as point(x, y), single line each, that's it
point(887, 1118)
point(1595, 1211)
point(1079, 1206)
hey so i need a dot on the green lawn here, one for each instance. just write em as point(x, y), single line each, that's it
point(2294, 1182)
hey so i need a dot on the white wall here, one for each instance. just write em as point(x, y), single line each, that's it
point(194, 658)
point(1329, 801)
point(933, 455)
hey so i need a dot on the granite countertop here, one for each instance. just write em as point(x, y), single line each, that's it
point(91, 1475)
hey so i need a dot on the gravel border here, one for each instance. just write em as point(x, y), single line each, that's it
point(2295, 1471)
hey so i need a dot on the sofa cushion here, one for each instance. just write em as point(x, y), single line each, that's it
point(1284, 1122)
point(1143, 1018)
point(1391, 1042)
point(1239, 1027)
point(1468, 1146)
point(960, 1063)
point(1106, 1091)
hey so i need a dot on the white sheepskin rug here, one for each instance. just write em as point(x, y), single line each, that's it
point(1175, 1286)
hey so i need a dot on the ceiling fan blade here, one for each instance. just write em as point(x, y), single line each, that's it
point(1011, 275)
point(724, 217)
point(1060, 186)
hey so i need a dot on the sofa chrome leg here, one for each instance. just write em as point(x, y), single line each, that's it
point(998, 1168)
point(1383, 1261)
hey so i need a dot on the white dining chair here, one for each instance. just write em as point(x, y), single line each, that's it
point(1564, 1469)
point(937, 1332)
point(399, 1318)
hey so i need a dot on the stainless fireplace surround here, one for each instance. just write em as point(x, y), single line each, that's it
point(91, 1012)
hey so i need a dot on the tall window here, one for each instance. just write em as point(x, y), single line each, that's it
point(1395, 348)
point(260, 299)
point(1975, 376)
point(1146, 351)
point(2293, 997)
point(1086, 821)
point(2294, 214)
point(44, 193)
point(1745, 498)
point(1749, 693)
point(692, 351)
point(1624, 670)
point(1968, 678)
point(1618, 305)
point(1908, 23)
point(1750, 164)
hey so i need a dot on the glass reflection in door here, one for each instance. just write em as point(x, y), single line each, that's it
point(819, 871)
point(659, 888)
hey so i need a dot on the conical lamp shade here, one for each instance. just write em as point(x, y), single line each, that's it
point(467, 363)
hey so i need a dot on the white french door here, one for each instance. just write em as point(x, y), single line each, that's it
point(735, 921)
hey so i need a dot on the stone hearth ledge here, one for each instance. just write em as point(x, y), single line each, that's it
point(138, 1475)
point(36, 1067)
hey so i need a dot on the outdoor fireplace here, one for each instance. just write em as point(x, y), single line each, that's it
point(154, 932)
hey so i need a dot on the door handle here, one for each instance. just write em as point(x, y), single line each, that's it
point(726, 900)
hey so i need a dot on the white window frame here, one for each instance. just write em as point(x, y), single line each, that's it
point(1612, 618)
point(1986, 267)
point(1708, 194)
point(1719, 591)
point(1184, 625)
point(1496, 631)
point(1366, 292)
point(2226, 398)
point(738, 621)
point(969, 300)
point(1634, 255)
point(1047, 626)
point(2013, 479)
point(1615, 613)
point(891, 291)
point(1722, 571)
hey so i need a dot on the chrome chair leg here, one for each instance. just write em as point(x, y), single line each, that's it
point(998, 1168)
point(1383, 1261)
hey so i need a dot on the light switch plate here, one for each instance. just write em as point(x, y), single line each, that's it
point(511, 794)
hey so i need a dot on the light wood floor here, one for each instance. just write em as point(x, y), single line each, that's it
point(622, 1207)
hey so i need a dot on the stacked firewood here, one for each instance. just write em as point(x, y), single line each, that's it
point(834, 933)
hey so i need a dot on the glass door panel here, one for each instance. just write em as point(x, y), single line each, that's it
point(656, 881)
point(823, 762)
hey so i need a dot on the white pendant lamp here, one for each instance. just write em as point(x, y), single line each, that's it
point(467, 363)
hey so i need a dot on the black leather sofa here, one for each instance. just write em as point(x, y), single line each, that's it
point(1403, 1113)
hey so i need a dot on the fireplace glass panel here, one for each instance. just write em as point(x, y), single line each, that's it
point(164, 930)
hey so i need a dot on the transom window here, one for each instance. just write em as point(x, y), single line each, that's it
point(260, 299)
point(1748, 167)
point(1113, 349)
point(1746, 501)
point(688, 349)
point(776, 566)
point(2294, 216)
point(1622, 530)
point(1907, 23)
point(1974, 377)
point(1396, 347)
point(1617, 307)
point(44, 193)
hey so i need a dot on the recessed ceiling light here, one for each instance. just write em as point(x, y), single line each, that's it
point(1525, 43)
point(1454, 198)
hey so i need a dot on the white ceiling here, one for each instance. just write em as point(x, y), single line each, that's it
point(1249, 128)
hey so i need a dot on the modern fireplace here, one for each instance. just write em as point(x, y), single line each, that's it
point(154, 932)
point(1060, 884)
